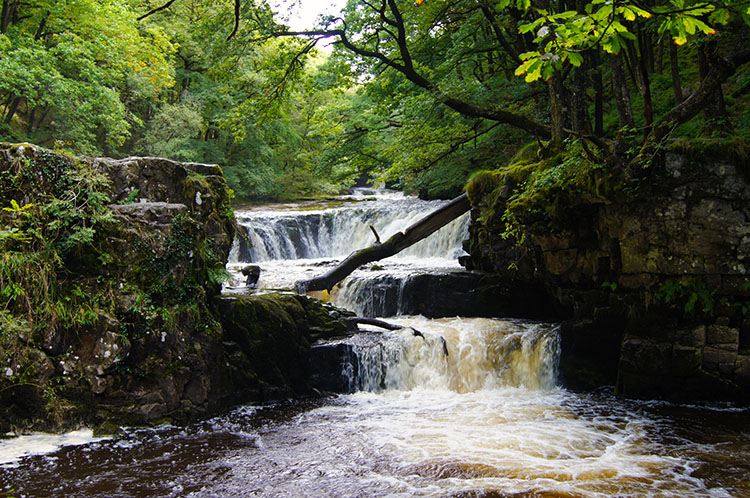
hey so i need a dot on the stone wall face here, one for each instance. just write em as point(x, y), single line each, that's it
point(124, 331)
point(653, 290)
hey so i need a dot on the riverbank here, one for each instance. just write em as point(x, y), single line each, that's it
point(650, 276)
point(109, 315)
point(111, 272)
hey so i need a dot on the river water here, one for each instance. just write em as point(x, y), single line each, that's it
point(473, 409)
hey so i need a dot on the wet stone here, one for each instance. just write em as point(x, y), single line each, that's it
point(685, 360)
point(721, 334)
point(714, 357)
point(743, 368)
point(694, 337)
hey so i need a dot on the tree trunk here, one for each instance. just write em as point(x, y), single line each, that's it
point(12, 108)
point(579, 104)
point(622, 94)
point(8, 6)
point(40, 30)
point(41, 119)
point(32, 116)
point(714, 112)
point(398, 242)
point(557, 114)
point(644, 86)
point(598, 84)
point(676, 82)
point(721, 69)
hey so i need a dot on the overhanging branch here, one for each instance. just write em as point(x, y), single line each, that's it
point(406, 68)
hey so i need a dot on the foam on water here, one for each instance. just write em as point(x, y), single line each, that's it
point(301, 232)
point(15, 448)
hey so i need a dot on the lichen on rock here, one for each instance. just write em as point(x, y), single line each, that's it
point(103, 300)
point(628, 263)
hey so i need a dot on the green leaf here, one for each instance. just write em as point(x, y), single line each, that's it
point(575, 58)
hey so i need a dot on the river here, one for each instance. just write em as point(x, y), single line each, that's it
point(480, 415)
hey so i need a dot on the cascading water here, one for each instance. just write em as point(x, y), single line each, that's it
point(485, 420)
point(457, 354)
point(291, 243)
point(296, 232)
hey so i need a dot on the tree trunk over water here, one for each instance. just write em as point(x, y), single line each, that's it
point(397, 243)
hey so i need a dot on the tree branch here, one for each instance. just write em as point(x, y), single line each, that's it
point(157, 9)
point(237, 4)
point(396, 243)
point(407, 69)
point(720, 71)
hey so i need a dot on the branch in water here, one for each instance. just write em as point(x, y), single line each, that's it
point(377, 237)
point(383, 325)
point(392, 326)
point(401, 240)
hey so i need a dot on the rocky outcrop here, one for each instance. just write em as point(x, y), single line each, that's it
point(112, 265)
point(109, 270)
point(652, 285)
point(268, 342)
point(445, 294)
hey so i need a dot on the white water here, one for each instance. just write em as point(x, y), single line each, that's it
point(13, 449)
point(437, 443)
point(294, 232)
point(295, 242)
point(486, 421)
point(457, 354)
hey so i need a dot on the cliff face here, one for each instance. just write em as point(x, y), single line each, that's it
point(653, 287)
point(108, 274)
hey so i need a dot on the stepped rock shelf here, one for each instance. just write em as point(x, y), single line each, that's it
point(652, 287)
point(111, 272)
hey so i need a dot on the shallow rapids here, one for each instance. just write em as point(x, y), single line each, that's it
point(419, 443)
point(486, 420)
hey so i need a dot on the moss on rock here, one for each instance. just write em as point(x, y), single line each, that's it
point(102, 300)
point(627, 260)
point(270, 337)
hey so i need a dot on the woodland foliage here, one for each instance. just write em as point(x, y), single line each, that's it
point(420, 94)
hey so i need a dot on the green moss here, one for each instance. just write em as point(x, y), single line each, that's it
point(70, 271)
point(482, 184)
point(529, 153)
point(538, 194)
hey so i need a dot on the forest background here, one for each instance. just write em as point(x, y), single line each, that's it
point(419, 94)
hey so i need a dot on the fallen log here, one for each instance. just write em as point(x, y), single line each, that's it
point(392, 326)
point(395, 244)
point(383, 325)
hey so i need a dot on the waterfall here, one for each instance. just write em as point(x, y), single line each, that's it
point(301, 233)
point(482, 354)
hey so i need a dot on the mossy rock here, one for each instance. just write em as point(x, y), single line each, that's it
point(271, 335)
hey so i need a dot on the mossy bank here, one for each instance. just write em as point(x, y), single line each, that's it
point(650, 274)
point(108, 274)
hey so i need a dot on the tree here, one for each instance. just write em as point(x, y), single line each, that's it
point(459, 53)
point(260, 108)
point(68, 69)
